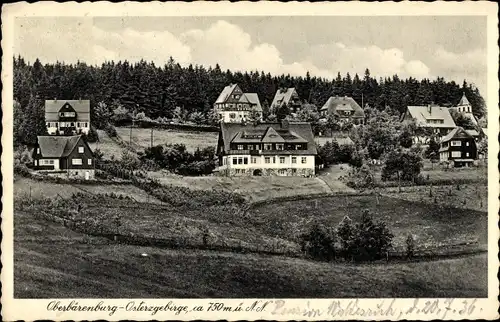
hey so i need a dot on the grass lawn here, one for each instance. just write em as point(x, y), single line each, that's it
point(51, 261)
point(107, 146)
point(43, 189)
point(470, 196)
point(432, 225)
point(192, 140)
point(254, 188)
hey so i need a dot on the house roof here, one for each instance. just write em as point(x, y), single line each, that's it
point(81, 107)
point(57, 146)
point(345, 103)
point(456, 133)
point(423, 113)
point(252, 98)
point(340, 138)
point(463, 100)
point(224, 95)
point(282, 97)
point(297, 132)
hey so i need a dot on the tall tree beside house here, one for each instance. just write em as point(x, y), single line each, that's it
point(34, 124)
point(461, 120)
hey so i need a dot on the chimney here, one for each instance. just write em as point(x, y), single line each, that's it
point(429, 108)
point(285, 124)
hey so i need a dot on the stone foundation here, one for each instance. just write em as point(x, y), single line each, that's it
point(74, 174)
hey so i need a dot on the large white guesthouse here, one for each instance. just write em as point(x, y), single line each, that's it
point(277, 148)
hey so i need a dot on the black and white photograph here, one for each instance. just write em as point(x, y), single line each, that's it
point(252, 156)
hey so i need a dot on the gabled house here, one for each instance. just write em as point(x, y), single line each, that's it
point(274, 148)
point(436, 119)
point(288, 97)
point(345, 108)
point(465, 108)
point(67, 117)
point(458, 147)
point(233, 105)
point(67, 155)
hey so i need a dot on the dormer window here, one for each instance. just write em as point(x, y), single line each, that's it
point(67, 114)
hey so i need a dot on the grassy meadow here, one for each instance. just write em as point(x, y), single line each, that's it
point(52, 261)
point(141, 137)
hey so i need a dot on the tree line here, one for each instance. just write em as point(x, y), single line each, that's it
point(157, 91)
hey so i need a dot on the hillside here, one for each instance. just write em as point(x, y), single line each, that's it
point(52, 261)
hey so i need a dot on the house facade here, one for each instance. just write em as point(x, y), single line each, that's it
point(233, 105)
point(67, 117)
point(435, 119)
point(344, 108)
point(458, 147)
point(274, 148)
point(288, 97)
point(70, 156)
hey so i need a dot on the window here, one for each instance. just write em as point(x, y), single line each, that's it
point(232, 115)
point(280, 147)
point(245, 160)
point(456, 143)
point(237, 171)
point(304, 160)
point(36, 162)
point(298, 147)
point(267, 159)
point(282, 171)
point(240, 146)
point(467, 143)
point(294, 159)
point(254, 160)
point(235, 161)
point(268, 146)
point(274, 159)
point(72, 124)
point(467, 154)
point(282, 159)
point(294, 171)
point(80, 149)
point(240, 160)
point(89, 161)
point(46, 162)
point(37, 150)
point(76, 161)
point(456, 154)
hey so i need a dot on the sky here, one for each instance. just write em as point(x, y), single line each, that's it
point(453, 47)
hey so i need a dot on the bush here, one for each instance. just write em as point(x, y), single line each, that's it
point(371, 240)
point(319, 243)
point(410, 246)
point(406, 165)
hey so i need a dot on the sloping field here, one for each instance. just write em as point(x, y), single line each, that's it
point(192, 140)
point(432, 225)
point(52, 261)
point(254, 188)
point(23, 187)
point(107, 146)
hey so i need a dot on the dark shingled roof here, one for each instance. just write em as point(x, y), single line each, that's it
point(81, 107)
point(297, 132)
point(57, 146)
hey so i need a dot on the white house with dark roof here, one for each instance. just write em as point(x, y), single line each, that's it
point(67, 117)
point(286, 96)
point(273, 148)
point(435, 118)
point(345, 108)
point(233, 105)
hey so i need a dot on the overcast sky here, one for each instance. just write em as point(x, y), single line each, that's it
point(451, 47)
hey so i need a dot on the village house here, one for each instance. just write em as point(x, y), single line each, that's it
point(233, 105)
point(274, 148)
point(288, 97)
point(436, 119)
point(344, 108)
point(458, 147)
point(67, 117)
point(70, 156)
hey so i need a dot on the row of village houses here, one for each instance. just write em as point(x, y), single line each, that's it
point(265, 148)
